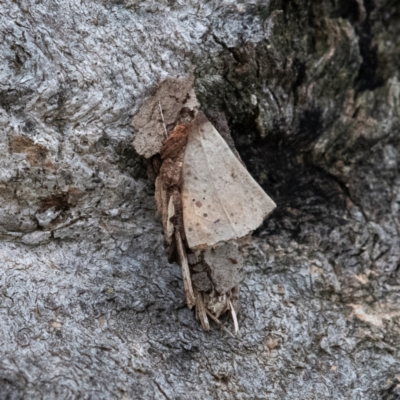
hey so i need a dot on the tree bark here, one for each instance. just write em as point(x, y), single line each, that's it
point(90, 306)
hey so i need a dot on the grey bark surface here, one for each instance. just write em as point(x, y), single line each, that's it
point(90, 307)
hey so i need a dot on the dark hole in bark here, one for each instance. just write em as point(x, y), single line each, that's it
point(282, 165)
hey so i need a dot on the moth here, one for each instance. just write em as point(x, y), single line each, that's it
point(209, 203)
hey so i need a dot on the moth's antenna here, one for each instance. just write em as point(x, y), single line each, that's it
point(163, 121)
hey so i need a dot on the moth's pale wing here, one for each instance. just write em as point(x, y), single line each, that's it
point(221, 201)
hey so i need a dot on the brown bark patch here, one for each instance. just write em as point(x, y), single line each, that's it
point(74, 195)
point(35, 153)
point(63, 200)
point(59, 201)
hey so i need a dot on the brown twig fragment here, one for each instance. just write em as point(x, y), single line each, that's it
point(234, 317)
point(201, 310)
point(187, 282)
point(163, 121)
point(224, 328)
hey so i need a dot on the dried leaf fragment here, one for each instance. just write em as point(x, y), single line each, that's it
point(225, 274)
point(171, 96)
point(221, 200)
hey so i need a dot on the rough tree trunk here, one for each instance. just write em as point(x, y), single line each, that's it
point(90, 307)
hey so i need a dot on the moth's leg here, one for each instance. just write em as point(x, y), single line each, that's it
point(201, 310)
point(187, 282)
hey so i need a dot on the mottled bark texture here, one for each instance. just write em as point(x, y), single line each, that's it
point(90, 307)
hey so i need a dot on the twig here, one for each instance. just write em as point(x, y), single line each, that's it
point(201, 310)
point(234, 317)
point(187, 282)
point(215, 319)
point(163, 121)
